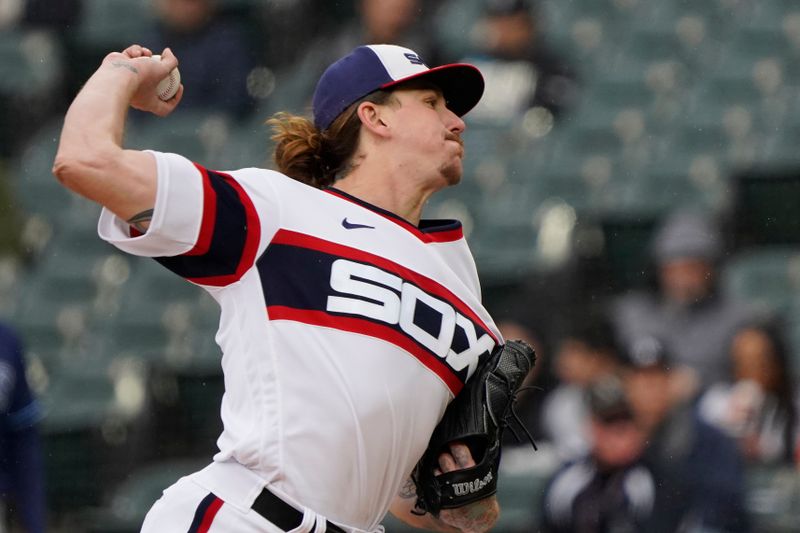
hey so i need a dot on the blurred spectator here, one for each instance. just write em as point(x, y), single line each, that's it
point(21, 468)
point(758, 407)
point(586, 354)
point(58, 16)
point(698, 470)
point(687, 312)
point(609, 490)
point(215, 56)
point(400, 22)
point(521, 72)
point(290, 28)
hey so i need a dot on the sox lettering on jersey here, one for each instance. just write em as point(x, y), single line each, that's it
point(314, 281)
point(394, 301)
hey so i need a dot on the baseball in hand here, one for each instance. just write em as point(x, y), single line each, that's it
point(168, 87)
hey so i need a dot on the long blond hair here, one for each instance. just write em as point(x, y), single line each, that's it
point(318, 158)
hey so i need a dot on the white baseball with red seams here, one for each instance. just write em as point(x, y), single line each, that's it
point(168, 87)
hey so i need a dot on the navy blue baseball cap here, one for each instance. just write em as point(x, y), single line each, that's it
point(383, 66)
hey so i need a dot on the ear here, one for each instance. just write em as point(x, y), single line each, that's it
point(373, 118)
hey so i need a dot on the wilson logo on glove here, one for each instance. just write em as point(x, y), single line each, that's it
point(477, 418)
point(471, 487)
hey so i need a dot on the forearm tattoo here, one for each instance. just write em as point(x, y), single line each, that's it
point(123, 64)
point(479, 516)
point(138, 221)
point(409, 491)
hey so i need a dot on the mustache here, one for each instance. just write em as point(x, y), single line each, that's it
point(450, 136)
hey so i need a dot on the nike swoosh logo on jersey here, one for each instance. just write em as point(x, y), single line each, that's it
point(352, 225)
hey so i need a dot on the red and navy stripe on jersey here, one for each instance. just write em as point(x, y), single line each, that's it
point(342, 327)
point(295, 272)
point(229, 234)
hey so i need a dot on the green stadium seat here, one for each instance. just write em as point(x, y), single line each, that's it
point(677, 177)
point(248, 145)
point(197, 135)
point(76, 405)
point(132, 499)
point(766, 278)
point(772, 497)
point(760, 25)
point(30, 63)
point(779, 150)
point(108, 25)
point(30, 71)
point(454, 20)
point(32, 180)
point(654, 34)
point(504, 251)
point(742, 78)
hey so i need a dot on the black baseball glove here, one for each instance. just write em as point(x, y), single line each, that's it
point(476, 418)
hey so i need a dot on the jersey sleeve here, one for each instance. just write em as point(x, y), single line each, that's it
point(205, 225)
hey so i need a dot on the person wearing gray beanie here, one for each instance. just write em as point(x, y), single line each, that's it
point(687, 234)
point(686, 250)
point(687, 312)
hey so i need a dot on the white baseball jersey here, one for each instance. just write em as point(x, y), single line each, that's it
point(345, 330)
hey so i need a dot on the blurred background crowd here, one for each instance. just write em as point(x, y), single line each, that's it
point(632, 178)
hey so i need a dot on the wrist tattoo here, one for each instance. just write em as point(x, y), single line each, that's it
point(123, 64)
point(408, 490)
point(138, 220)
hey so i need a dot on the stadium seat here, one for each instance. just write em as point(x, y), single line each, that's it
point(765, 277)
point(108, 25)
point(76, 405)
point(454, 19)
point(679, 176)
point(32, 180)
point(31, 68)
point(248, 145)
point(154, 317)
point(772, 497)
point(199, 136)
point(130, 500)
point(29, 62)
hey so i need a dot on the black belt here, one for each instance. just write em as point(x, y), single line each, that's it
point(282, 514)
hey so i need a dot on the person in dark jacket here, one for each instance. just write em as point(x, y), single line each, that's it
point(609, 489)
point(21, 466)
point(698, 470)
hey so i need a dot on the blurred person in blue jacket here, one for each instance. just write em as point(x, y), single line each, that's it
point(698, 470)
point(609, 489)
point(21, 466)
point(216, 56)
